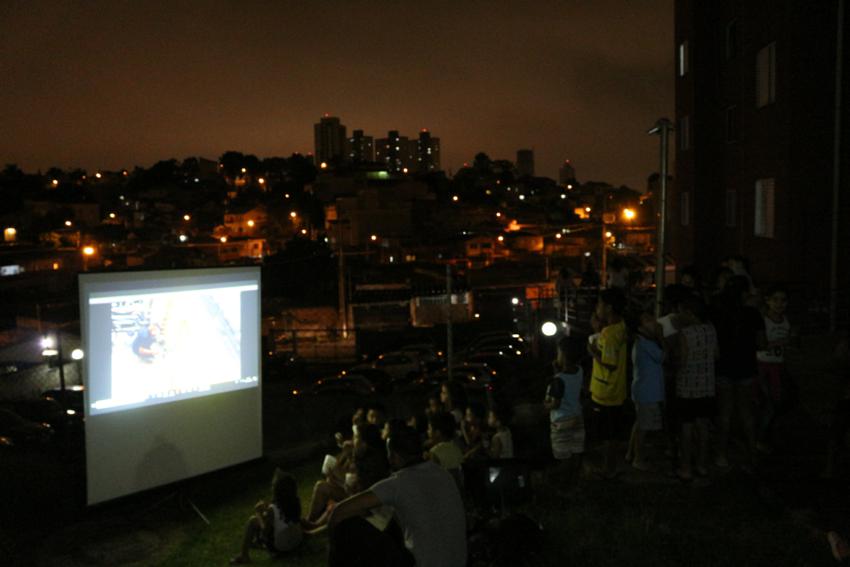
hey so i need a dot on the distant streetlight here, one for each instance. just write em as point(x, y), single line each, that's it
point(261, 181)
point(404, 170)
point(88, 250)
point(112, 215)
point(293, 214)
point(558, 235)
point(98, 175)
point(244, 170)
point(587, 209)
point(55, 182)
point(187, 217)
point(68, 223)
point(10, 233)
point(223, 239)
point(251, 223)
point(515, 301)
point(373, 238)
point(500, 238)
point(303, 231)
point(323, 165)
point(183, 238)
point(498, 214)
point(629, 214)
point(563, 195)
point(77, 354)
point(455, 198)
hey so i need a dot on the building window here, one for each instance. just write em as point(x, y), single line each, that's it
point(764, 208)
point(731, 208)
point(683, 58)
point(766, 75)
point(685, 208)
point(731, 39)
point(732, 124)
point(684, 133)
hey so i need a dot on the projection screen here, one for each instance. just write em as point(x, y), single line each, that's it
point(172, 375)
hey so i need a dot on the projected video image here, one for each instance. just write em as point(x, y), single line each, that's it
point(168, 345)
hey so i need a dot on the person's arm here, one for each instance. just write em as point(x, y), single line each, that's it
point(551, 403)
point(495, 447)
point(352, 506)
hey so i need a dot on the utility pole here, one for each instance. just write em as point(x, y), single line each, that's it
point(662, 127)
point(449, 338)
point(836, 172)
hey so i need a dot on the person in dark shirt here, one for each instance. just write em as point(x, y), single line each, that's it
point(740, 333)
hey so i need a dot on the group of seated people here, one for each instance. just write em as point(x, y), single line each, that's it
point(397, 491)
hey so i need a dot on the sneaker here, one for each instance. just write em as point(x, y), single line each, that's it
point(840, 549)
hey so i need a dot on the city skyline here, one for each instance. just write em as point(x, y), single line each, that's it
point(109, 86)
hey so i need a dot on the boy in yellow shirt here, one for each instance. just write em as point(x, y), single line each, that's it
point(608, 379)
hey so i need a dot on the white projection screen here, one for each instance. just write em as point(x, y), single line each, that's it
point(172, 375)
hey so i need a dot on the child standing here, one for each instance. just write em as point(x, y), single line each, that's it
point(771, 364)
point(647, 388)
point(502, 442)
point(608, 380)
point(276, 524)
point(562, 400)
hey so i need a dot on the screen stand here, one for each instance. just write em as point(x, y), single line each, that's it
point(182, 501)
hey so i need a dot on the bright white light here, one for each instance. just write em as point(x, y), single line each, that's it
point(522, 197)
point(477, 315)
point(548, 329)
point(47, 342)
point(515, 300)
point(49, 352)
point(515, 336)
point(587, 254)
point(183, 238)
point(563, 195)
point(71, 412)
point(77, 354)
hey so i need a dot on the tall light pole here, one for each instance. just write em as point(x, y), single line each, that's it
point(663, 127)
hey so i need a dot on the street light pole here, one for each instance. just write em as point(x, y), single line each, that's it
point(662, 127)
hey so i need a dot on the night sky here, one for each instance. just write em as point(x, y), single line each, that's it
point(111, 84)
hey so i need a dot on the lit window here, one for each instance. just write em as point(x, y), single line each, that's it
point(766, 75)
point(765, 202)
point(683, 58)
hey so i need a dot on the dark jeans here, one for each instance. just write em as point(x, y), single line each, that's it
point(357, 543)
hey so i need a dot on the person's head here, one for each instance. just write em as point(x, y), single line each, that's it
point(498, 417)
point(595, 322)
point(475, 413)
point(721, 277)
point(285, 494)
point(404, 448)
point(568, 354)
point(371, 466)
point(611, 305)
point(736, 291)
point(434, 405)
point(367, 434)
point(648, 326)
point(390, 426)
point(376, 414)
point(441, 427)
point(359, 416)
point(451, 395)
point(693, 310)
point(776, 300)
point(689, 277)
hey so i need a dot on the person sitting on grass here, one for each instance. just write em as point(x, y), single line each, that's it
point(647, 388)
point(427, 505)
point(501, 443)
point(275, 524)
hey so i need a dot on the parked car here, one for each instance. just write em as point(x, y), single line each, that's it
point(400, 366)
point(350, 383)
point(22, 432)
point(427, 353)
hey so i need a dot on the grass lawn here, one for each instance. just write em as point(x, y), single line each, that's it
point(653, 523)
point(228, 505)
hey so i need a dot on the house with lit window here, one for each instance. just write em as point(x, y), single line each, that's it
point(757, 164)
